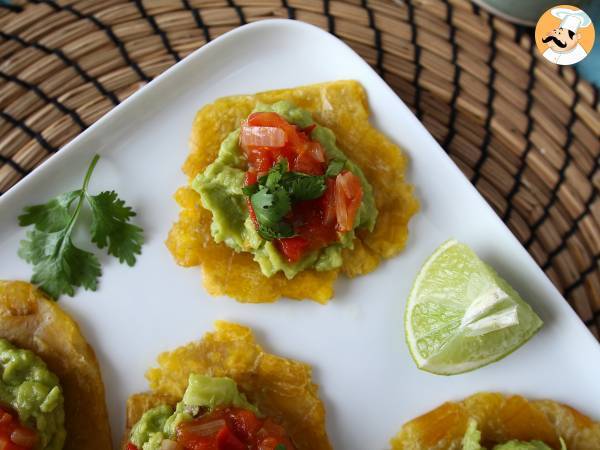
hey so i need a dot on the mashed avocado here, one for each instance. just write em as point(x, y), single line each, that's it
point(202, 392)
point(220, 188)
point(472, 439)
point(34, 393)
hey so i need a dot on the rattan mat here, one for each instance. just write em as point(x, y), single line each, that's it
point(524, 131)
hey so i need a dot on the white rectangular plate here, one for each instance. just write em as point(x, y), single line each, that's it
point(355, 343)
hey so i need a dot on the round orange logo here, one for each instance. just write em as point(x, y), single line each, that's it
point(564, 35)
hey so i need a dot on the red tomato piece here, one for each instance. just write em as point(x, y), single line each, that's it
point(250, 178)
point(13, 435)
point(287, 153)
point(270, 119)
point(308, 223)
point(260, 159)
point(293, 248)
point(230, 429)
point(200, 434)
point(271, 435)
point(226, 440)
point(24, 437)
point(307, 162)
point(328, 203)
point(244, 424)
point(130, 446)
point(6, 444)
point(348, 196)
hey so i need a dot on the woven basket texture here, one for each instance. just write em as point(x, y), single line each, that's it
point(524, 131)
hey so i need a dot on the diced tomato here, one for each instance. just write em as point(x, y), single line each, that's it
point(240, 430)
point(293, 248)
point(24, 437)
point(261, 159)
point(13, 435)
point(130, 446)
point(271, 119)
point(271, 443)
point(250, 178)
point(308, 223)
point(6, 444)
point(328, 203)
point(348, 196)
point(200, 434)
point(311, 160)
point(226, 440)
point(244, 423)
point(288, 153)
point(273, 434)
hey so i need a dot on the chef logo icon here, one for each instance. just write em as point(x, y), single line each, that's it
point(564, 34)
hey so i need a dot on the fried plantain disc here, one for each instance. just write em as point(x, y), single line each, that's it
point(500, 419)
point(342, 107)
point(281, 388)
point(32, 321)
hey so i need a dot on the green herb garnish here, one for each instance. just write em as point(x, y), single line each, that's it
point(280, 447)
point(303, 187)
point(58, 265)
point(272, 197)
point(270, 205)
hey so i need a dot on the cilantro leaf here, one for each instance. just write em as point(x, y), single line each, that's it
point(270, 207)
point(303, 187)
point(51, 216)
point(275, 174)
point(276, 231)
point(58, 265)
point(110, 227)
point(335, 167)
point(251, 189)
point(280, 447)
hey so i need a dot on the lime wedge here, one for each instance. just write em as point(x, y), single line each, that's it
point(461, 315)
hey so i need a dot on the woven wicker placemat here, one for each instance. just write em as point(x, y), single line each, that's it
point(524, 131)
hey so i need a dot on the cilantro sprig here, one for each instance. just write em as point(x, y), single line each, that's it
point(272, 196)
point(58, 265)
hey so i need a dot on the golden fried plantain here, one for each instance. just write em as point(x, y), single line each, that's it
point(500, 419)
point(32, 321)
point(281, 388)
point(341, 106)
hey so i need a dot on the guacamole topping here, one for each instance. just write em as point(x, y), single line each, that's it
point(34, 393)
point(203, 393)
point(221, 187)
point(472, 439)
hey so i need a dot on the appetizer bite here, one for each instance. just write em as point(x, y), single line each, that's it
point(51, 390)
point(495, 421)
point(287, 189)
point(225, 393)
